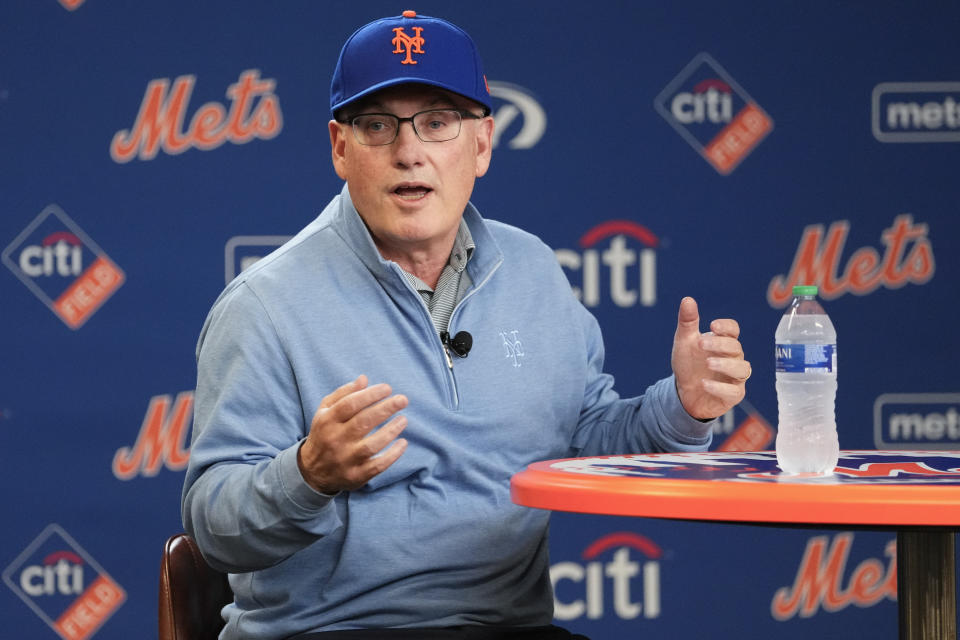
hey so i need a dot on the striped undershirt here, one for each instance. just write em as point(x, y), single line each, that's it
point(453, 282)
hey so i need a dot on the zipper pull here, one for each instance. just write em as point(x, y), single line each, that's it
point(445, 343)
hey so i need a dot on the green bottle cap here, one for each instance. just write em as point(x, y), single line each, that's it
point(805, 290)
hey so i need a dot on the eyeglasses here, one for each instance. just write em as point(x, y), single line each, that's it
point(436, 125)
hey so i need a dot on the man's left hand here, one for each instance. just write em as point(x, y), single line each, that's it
point(710, 370)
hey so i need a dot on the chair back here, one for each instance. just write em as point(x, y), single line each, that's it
point(192, 593)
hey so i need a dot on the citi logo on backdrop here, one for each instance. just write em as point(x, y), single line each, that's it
point(617, 261)
point(610, 567)
point(63, 267)
point(713, 113)
point(254, 112)
point(64, 585)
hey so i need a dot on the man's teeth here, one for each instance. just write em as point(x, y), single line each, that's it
point(411, 193)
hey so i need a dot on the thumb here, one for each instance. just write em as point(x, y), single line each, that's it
point(688, 319)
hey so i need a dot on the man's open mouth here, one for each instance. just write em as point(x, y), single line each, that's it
point(412, 192)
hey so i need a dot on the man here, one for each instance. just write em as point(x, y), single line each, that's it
point(313, 363)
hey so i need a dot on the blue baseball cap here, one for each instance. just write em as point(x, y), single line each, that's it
point(408, 49)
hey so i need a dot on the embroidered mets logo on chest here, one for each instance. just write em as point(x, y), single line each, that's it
point(513, 346)
point(404, 44)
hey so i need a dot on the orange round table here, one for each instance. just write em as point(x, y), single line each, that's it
point(917, 493)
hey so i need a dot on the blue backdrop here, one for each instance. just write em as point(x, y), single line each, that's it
point(725, 151)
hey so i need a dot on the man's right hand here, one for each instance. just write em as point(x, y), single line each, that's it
point(340, 453)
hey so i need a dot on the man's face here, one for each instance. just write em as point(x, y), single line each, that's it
point(411, 194)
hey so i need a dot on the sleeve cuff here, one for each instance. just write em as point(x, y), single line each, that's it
point(295, 487)
point(682, 422)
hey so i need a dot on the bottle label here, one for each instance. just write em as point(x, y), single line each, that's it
point(798, 358)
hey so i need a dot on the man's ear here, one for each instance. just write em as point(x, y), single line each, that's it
point(484, 145)
point(338, 148)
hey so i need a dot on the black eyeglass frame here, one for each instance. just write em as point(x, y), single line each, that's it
point(463, 113)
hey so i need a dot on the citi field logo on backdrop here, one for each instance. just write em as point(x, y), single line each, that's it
point(609, 569)
point(63, 267)
point(917, 421)
point(607, 260)
point(907, 259)
point(916, 112)
point(162, 440)
point(713, 113)
point(254, 112)
point(819, 581)
point(752, 433)
point(64, 585)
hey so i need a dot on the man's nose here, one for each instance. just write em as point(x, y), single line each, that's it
point(408, 147)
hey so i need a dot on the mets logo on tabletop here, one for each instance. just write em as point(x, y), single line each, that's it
point(63, 267)
point(64, 585)
point(713, 113)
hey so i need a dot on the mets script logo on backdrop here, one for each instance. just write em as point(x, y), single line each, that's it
point(908, 258)
point(63, 585)
point(71, 4)
point(917, 421)
point(407, 45)
point(63, 267)
point(916, 112)
point(628, 274)
point(254, 112)
point(162, 440)
point(609, 578)
point(520, 120)
point(713, 113)
point(819, 581)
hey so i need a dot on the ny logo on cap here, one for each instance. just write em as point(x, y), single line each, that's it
point(408, 45)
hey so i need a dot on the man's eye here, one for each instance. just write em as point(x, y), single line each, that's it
point(375, 125)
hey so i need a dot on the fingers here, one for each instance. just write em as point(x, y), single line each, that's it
point(372, 444)
point(735, 369)
point(721, 345)
point(344, 448)
point(350, 399)
point(377, 464)
point(730, 394)
point(725, 327)
point(688, 318)
point(350, 387)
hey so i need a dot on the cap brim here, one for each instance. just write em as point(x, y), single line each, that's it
point(393, 82)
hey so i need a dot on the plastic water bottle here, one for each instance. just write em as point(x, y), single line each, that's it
point(806, 358)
